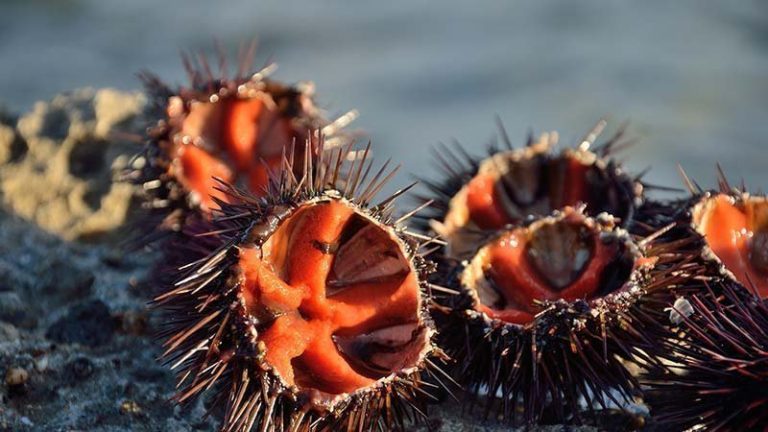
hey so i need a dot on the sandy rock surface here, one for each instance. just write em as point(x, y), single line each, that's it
point(76, 347)
point(61, 160)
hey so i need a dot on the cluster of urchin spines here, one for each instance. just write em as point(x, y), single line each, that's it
point(716, 362)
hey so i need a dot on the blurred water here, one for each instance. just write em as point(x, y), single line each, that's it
point(691, 76)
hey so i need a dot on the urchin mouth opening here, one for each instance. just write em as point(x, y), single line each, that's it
point(735, 229)
point(566, 258)
point(339, 300)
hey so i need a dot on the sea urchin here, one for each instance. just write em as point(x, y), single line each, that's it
point(307, 309)
point(233, 129)
point(546, 311)
point(725, 231)
point(513, 185)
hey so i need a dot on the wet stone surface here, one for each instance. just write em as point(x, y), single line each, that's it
point(85, 324)
point(60, 161)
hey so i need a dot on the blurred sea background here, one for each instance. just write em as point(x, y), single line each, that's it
point(691, 77)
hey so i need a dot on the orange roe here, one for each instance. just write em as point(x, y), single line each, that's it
point(484, 202)
point(728, 229)
point(198, 169)
point(245, 133)
point(520, 283)
point(484, 207)
point(289, 277)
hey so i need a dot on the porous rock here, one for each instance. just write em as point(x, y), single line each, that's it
point(61, 161)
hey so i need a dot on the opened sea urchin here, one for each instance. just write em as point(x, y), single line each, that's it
point(515, 184)
point(230, 128)
point(544, 313)
point(726, 230)
point(306, 309)
point(552, 284)
point(713, 341)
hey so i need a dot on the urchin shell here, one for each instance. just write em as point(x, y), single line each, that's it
point(512, 185)
point(734, 226)
point(218, 340)
point(220, 127)
point(716, 371)
point(567, 352)
point(725, 231)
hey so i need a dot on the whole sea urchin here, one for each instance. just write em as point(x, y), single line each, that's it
point(234, 129)
point(717, 364)
point(306, 308)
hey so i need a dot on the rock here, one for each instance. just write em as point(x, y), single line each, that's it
point(59, 166)
point(8, 333)
point(63, 160)
point(64, 278)
point(12, 146)
point(80, 368)
point(87, 324)
point(16, 376)
point(130, 407)
point(41, 363)
point(133, 322)
point(14, 311)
